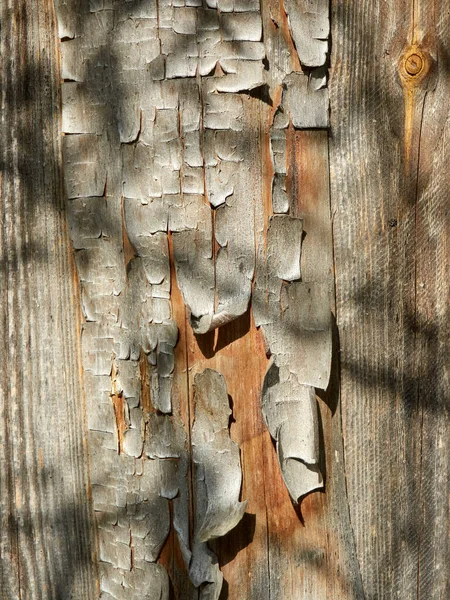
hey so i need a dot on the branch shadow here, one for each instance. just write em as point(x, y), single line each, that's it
point(26, 96)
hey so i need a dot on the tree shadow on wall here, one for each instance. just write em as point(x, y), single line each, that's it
point(32, 95)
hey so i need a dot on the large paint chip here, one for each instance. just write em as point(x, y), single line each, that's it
point(216, 457)
point(217, 478)
point(290, 413)
point(310, 27)
point(306, 100)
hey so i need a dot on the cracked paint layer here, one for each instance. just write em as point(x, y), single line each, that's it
point(158, 141)
point(295, 318)
point(310, 29)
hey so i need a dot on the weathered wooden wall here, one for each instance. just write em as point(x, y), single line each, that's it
point(375, 239)
point(47, 526)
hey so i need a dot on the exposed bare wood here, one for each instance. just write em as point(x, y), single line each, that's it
point(47, 534)
point(390, 181)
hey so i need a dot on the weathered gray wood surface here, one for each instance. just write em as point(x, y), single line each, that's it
point(196, 165)
point(47, 532)
point(390, 181)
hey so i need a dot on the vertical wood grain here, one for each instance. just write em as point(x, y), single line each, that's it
point(379, 528)
point(46, 527)
point(389, 190)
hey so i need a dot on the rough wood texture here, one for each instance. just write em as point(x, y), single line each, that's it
point(196, 167)
point(390, 184)
point(46, 526)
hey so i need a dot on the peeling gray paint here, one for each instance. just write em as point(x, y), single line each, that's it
point(216, 458)
point(295, 318)
point(157, 127)
point(310, 29)
point(290, 413)
point(217, 477)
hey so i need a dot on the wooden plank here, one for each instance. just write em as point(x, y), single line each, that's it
point(313, 557)
point(285, 558)
point(46, 532)
point(150, 146)
point(322, 539)
point(236, 351)
point(243, 552)
point(180, 149)
point(390, 185)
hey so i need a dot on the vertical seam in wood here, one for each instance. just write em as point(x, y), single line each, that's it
point(416, 350)
point(341, 425)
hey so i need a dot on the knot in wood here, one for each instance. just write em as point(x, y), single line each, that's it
point(413, 64)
